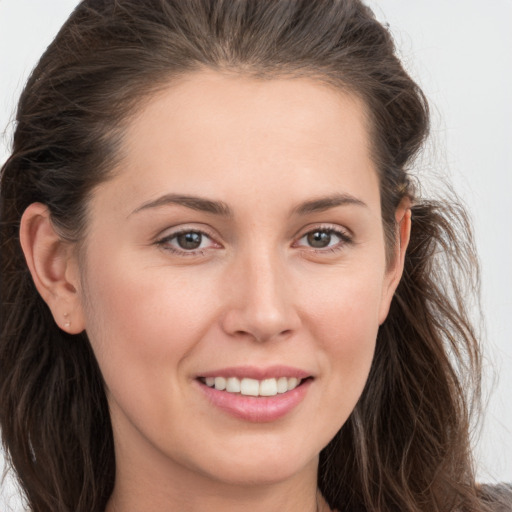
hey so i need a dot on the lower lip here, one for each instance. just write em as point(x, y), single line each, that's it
point(261, 409)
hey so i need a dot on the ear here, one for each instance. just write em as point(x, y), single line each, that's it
point(54, 268)
point(396, 268)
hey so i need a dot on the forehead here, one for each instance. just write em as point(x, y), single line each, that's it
point(221, 134)
point(210, 105)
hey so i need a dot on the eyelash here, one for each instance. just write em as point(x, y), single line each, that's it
point(344, 237)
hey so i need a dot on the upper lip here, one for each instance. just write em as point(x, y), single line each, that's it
point(258, 373)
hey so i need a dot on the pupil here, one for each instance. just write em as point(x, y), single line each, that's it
point(319, 239)
point(189, 240)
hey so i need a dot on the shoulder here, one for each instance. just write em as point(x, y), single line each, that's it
point(497, 497)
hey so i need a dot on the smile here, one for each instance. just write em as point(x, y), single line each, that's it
point(253, 387)
point(253, 394)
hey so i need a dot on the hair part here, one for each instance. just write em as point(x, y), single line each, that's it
point(406, 445)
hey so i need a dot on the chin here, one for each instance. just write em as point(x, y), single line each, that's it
point(262, 466)
point(261, 474)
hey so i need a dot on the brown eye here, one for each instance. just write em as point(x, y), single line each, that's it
point(319, 239)
point(188, 243)
point(189, 240)
point(324, 240)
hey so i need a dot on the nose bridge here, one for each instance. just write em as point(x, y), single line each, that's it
point(264, 275)
point(262, 304)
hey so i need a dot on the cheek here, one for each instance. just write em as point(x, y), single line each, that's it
point(344, 321)
point(144, 328)
point(346, 306)
point(142, 323)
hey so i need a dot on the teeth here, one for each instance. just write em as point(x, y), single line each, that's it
point(220, 383)
point(233, 385)
point(253, 387)
point(249, 387)
point(268, 387)
point(282, 385)
point(292, 383)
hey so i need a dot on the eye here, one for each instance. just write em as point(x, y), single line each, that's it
point(324, 238)
point(188, 242)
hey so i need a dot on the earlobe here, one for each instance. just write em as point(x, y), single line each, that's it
point(53, 267)
point(403, 223)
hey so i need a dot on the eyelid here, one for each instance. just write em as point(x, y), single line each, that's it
point(185, 228)
point(323, 226)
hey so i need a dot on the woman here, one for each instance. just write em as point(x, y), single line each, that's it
point(220, 291)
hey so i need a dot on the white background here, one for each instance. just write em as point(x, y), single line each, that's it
point(460, 51)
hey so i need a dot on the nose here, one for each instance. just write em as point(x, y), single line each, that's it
point(260, 302)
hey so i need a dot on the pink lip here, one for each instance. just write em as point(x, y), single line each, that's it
point(252, 372)
point(256, 409)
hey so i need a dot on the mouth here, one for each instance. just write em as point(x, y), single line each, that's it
point(253, 387)
point(256, 395)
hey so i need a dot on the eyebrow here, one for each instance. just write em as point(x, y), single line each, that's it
point(192, 202)
point(222, 209)
point(325, 203)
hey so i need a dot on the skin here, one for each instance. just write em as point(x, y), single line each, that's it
point(255, 293)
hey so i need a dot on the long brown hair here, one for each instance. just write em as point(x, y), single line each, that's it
point(406, 445)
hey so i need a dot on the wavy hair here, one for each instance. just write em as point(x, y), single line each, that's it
point(406, 446)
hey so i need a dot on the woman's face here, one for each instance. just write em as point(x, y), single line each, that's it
point(240, 239)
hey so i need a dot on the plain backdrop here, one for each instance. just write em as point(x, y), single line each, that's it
point(460, 51)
